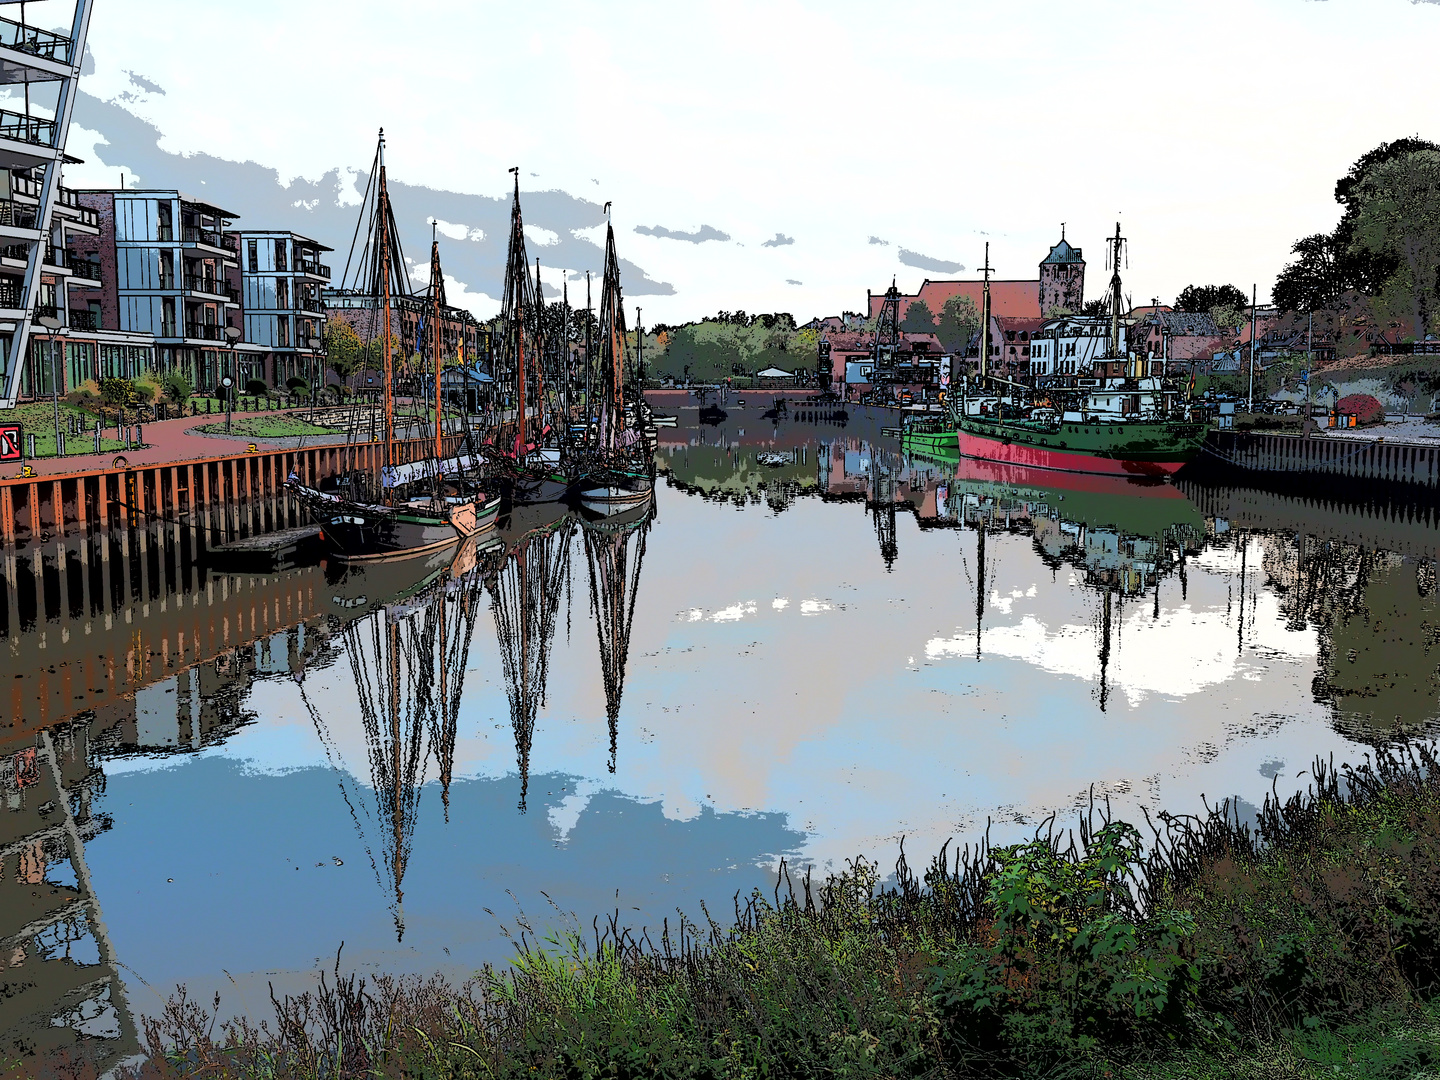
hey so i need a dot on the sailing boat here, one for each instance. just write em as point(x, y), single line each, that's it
point(530, 452)
point(619, 470)
point(614, 583)
point(426, 503)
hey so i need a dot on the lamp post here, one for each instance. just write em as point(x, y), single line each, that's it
point(226, 383)
point(232, 335)
point(52, 324)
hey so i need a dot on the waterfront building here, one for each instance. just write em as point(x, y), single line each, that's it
point(1060, 283)
point(279, 278)
point(1062, 279)
point(32, 150)
point(1069, 345)
point(165, 259)
point(461, 335)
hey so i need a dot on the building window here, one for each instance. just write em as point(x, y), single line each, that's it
point(282, 338)
point(282, 292)
point(252, 255)
point(280, 263)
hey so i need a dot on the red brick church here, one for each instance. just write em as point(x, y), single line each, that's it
point(1060, 284)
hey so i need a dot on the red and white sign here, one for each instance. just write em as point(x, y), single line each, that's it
point(9, 442)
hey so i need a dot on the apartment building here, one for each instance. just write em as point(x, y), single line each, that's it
point(279, 278)
point(165, 262)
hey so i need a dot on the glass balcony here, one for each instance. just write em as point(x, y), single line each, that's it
point(28, 39)
point(204, 331)
point(30, 129)
point(84, 320)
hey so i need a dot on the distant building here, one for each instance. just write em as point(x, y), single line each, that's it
point(164, 261)
point(1059, 283)
point(279, 278)
point(1062, 279)
point(1070, 344)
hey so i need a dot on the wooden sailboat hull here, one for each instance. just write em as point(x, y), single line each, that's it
point(617, 493)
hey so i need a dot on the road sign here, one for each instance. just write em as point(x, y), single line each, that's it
point(9, 442)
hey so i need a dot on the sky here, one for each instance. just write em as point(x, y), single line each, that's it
point(785, 155)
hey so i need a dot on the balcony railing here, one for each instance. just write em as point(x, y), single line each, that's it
point(17, 215)
point(164, 233)
point(11, 297)
point(303, 303)
point(194, 235)
point(30, 129)
point(210, 286)
point(83, 268)
point(204, 331)
point(84, 320)
point(46, 311)
point(318, 269)
point(25, 185)
point(27, 39)
point(56, 256)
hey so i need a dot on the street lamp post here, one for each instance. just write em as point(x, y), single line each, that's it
point(232, 334)
point(52, 324)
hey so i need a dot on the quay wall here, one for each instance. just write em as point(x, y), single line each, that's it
point(217, 500)
point(1403, 463)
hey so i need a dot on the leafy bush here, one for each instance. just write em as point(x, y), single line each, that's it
point(176, 387)
point(1366, 409)
point(257, 388)
point(117, 391)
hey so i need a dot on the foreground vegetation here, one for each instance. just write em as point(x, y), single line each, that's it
point(1306, 944)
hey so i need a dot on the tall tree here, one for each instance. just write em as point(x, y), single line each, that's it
point(919, 319)
point(1397, 216)
point(959, 320)
point(1205, 298)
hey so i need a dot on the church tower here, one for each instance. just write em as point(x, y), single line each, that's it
point(1062, 278)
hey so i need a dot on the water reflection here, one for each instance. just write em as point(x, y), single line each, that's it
point(846, 626)
point(614, 553)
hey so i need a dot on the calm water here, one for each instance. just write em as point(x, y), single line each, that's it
point(813, 647)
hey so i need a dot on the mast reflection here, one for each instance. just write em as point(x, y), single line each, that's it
point(614, 553)
point(525, 599)
point(407, 660)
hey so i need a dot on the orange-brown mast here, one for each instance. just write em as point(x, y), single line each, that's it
point(436, 284)
point(385, 316)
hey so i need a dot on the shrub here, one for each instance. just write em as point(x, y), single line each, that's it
point(257, 388)
point(115, 392)
point(1366, 409)
point(176, 387)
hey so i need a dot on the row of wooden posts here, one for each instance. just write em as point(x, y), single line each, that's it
point(1406, 463)
point(224, 498)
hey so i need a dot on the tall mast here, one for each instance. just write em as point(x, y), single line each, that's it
point(437, 284)
point(515, 286)
point(539, 349)
point(385, 309)
point(589, 350)
point(1115, 292)
point(565, 351)
point(984, 369)
point(639, 353)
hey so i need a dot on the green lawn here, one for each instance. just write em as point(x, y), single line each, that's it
point(279, 426)
point(38, 418)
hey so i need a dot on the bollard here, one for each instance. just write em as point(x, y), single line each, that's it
point(139, 436)
point(97, 436)
point(30, 445)
point(60, 444)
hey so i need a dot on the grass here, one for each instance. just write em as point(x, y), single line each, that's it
point(1307, 945)
point(277, 426)
point(38, 418)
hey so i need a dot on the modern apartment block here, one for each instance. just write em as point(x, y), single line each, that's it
point(32, 148)
point(279, 279)
point(165, 262)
